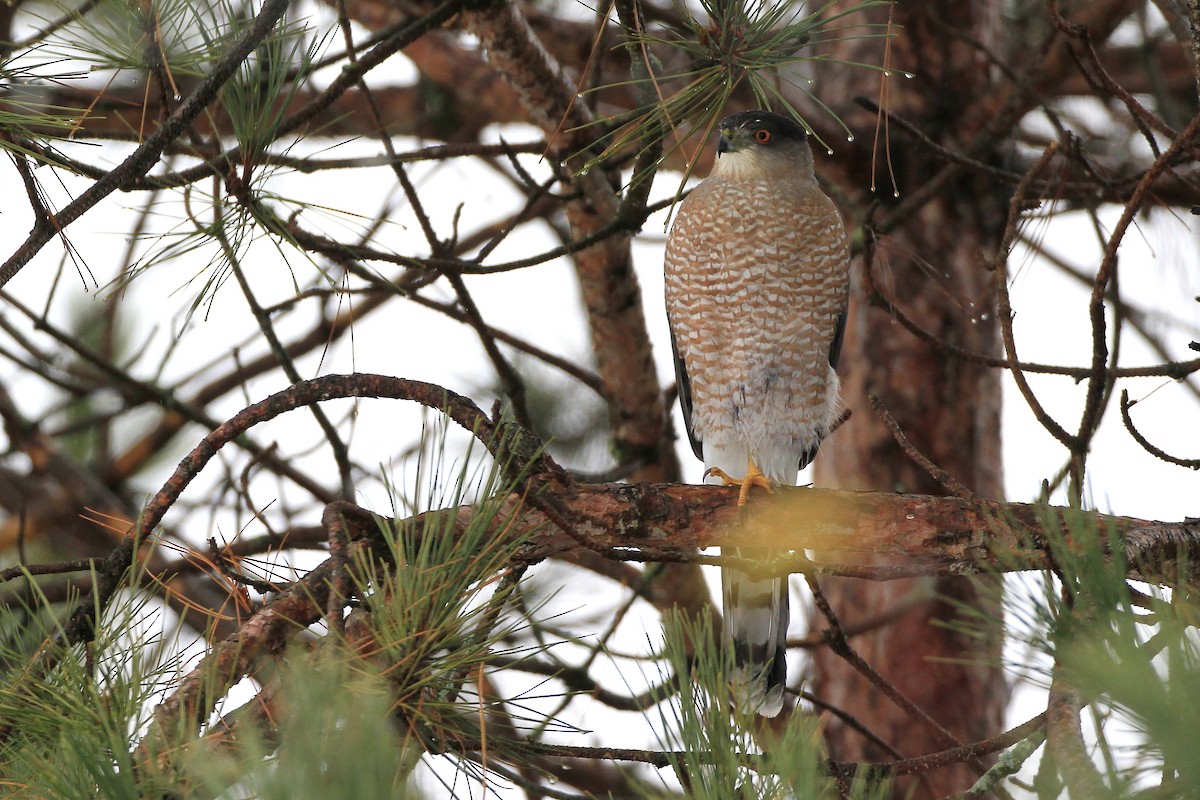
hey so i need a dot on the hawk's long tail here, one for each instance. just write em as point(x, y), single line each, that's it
point(756, 623)
point(756, 611)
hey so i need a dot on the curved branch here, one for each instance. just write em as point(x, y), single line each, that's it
point(1190, 463)
point(518, 453)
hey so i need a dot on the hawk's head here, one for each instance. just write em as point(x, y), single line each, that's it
point(760, 142)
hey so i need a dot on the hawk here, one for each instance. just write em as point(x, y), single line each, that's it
point(757, 282)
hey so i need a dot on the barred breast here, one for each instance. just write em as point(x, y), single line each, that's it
point(756, 278)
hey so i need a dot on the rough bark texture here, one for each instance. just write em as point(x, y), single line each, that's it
point(919, 534)
point(934, 267)
point(932, 263)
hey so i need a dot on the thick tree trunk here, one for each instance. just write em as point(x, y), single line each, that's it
point(933, 266)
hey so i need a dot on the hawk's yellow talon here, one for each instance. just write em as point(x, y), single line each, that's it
point(754, 477)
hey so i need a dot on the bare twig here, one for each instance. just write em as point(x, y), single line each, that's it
point(839, 644)
point(1157, 452)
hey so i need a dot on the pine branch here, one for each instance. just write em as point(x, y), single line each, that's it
point(143, 159)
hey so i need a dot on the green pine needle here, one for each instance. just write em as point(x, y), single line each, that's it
point(728, 44)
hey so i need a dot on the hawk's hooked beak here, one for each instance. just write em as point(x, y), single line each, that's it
point(725, 143)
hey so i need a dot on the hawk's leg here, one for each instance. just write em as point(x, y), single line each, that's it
point(754, 477)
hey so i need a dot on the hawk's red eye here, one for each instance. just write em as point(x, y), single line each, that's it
point(762, 136)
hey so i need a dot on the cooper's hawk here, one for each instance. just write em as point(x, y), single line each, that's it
point(757, 282)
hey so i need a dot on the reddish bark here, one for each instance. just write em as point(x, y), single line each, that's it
point(933, 264)
point(934, 267)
